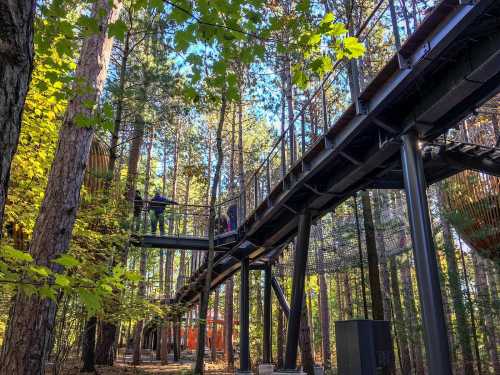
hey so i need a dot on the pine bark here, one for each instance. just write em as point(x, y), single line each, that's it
point(31, 320)
point(486, 314)
point(16, 65)
point(106, 343)
point(338, 295)
point(323, 305)
point(371, 250)
point(113, 156)
point(202, 325)
point(400, 329)
point(229, 289)
point(411, 317)
point(380, 202)
point(141, 291)
point(214, 326)
point(348, 309)
point(306, 352)
point(88, 347)
point(279, 338)
point(462, 324)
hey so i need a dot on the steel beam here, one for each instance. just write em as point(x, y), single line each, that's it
point(298, 282)
point(435, 333)
point(280, 296)
point(267, 339)
point(244, 316)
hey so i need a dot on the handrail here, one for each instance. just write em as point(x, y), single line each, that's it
point(324, 84)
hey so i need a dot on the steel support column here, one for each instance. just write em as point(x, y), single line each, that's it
point(267, 343)
point(435, 334)
point(244, 317)
point(298, 282)
point(280, 296)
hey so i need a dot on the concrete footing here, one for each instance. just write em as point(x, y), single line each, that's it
point(239, 372)
point(266, 369)
point(318, 370)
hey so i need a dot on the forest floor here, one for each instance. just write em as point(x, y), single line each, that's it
point(148, 367)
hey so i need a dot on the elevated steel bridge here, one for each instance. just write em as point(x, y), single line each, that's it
point(391, 136)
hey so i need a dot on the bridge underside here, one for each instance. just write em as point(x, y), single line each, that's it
point(445, 70)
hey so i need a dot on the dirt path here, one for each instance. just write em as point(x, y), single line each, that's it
point(148, 367)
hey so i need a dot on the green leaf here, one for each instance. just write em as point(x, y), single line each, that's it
point(106, 288)
point(90, 300)
point(179, 15)
point(83, 121)
point(64, 47)
point(337, 29)
point(117, 29)
point(132, 276)
point(67, 261)
point(40, 270)
point(157, 4)
point(14, 254)
point(88, 24)
point(303, 6)
point(47, 292)
point(62, 280)
point(328, 18)
point(314, 39)
point(299, 77)
point(220, 67)
point(182, 40)
point(354, 47)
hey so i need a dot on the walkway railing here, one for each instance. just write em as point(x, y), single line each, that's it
point(324, 106)
point(186, 220)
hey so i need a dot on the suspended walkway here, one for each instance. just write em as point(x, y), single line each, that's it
point(392, 135)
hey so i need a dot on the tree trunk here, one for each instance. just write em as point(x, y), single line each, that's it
point(348, 310)
point(411, 318)
point(169, 257)
point(214, 326)
point(141, 291)
point(16, 65)
point(279, 338)
point(105, 348)
point(371, 250)
point(485, 313)
point(228, 321)
point(305, 344)
point(229, 289)
point(399, 321)
point(457, 296)
point(202, 325)
point(31, 321)
point(380, 203)
point(181, 277)
point(338, 294)
point(310, 321)
point(88, 347)
point(324, 316)
point(134, 156)
point(119, 112)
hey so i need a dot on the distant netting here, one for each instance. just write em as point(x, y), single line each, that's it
point(334, 245)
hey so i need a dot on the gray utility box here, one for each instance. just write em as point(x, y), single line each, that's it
point(364, 347)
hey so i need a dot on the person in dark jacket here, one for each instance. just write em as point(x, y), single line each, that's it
point(157, 209)
point(138, 205)
point(232, 214)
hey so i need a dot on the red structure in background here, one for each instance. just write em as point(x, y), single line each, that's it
point(192, 334)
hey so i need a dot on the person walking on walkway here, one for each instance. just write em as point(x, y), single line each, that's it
point(157, 209)
point(138, 205)
point(232, 213)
